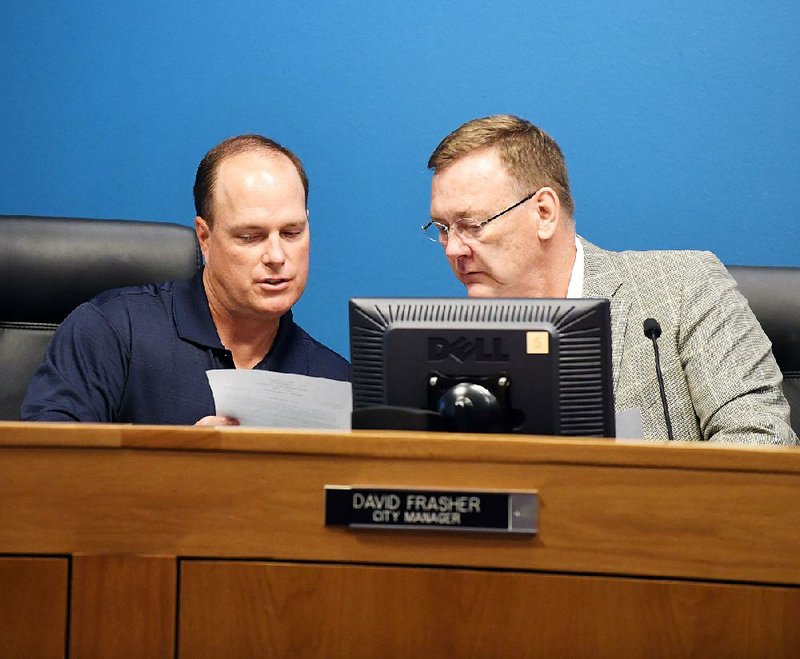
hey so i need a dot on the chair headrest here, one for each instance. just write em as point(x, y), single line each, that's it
point(48, 265)
point(774, 297)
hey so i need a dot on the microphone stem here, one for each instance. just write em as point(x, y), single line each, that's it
point(661, 388)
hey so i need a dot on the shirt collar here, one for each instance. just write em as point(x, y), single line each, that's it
point(193, 320)
point(194, 323)
point(287, 351)
point(575, 288)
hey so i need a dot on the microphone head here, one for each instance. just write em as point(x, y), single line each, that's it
point(652, 330)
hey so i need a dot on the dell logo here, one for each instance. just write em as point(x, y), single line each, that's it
point(482, 349)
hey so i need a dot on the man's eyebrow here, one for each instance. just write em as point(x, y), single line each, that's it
point(257, 226)
point(460, 215)
point(245, 227)
point(295, 223)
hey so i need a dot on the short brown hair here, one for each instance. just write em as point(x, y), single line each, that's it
point(532, 157)
point(207, 170)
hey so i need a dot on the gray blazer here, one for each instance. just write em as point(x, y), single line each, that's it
point(721, 380)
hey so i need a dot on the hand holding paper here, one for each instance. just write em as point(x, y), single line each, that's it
point(281, 400)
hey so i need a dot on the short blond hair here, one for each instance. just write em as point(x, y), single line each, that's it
point(531, 156)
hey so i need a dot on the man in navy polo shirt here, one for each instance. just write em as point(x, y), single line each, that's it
point(139, 354)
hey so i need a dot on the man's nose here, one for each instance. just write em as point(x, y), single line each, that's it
point(455, 246)
point(273, 252)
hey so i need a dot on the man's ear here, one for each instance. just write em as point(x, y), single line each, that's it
point(203, 232)
point(548, 206)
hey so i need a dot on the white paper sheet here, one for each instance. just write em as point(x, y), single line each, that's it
point(281, 400)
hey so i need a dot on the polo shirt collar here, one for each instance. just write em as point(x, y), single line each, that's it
point(287, 354)
point(194, 323)
point(193, 320)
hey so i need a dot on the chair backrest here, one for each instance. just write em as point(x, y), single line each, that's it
point(49, 265)
point(774, 297)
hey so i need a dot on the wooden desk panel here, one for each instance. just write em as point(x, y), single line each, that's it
point(699, 522)
point(33, 607)
point(123, 607)
point(254, 610)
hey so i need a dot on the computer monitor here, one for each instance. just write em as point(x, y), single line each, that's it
point(534, 366)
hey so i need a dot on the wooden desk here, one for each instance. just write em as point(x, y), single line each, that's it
point(144, 541)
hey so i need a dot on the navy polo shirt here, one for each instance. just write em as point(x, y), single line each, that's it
point(139, 355)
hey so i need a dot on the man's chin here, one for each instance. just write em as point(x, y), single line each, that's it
point(479, 289)
point(274, 307)
point(274, 310)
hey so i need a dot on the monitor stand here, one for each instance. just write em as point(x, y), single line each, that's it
point(461, 404)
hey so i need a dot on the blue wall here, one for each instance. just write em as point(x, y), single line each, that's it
point(679, 122)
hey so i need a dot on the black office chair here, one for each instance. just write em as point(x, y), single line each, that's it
point(50, 265)
point(774, 297)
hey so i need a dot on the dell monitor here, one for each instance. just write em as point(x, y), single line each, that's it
point(533, 366)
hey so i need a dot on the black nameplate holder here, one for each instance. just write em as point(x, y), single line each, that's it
point(401, 508)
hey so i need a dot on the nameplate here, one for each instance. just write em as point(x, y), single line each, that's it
point(430, 509)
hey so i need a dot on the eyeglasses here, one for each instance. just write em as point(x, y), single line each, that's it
point(465, 229)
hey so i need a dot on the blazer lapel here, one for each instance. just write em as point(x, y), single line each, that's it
point(601, 279)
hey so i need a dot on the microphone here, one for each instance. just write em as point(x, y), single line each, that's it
point(652, 330)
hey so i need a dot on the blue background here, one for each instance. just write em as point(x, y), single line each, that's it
point(679, 122)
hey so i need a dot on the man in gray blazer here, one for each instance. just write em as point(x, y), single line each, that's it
point(502, 209)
